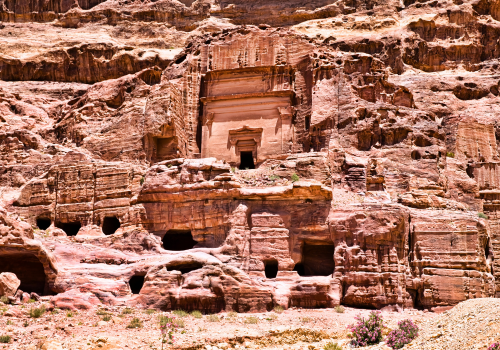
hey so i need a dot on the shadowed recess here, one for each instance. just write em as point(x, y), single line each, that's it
point(178, 240)
point(43, 223)
point(317, 260)
point(247, 160)
point(71, 228)
point(271, 268)
point(110, 225)
point(27, 268)
point(136, 283)
point(185, 268)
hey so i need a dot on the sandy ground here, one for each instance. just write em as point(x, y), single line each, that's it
point(290, 329)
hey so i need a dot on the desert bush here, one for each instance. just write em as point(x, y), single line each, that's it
point(179, 323)
point(278, 309)
point(272, 317)
point(69, 314)
point(251, 320)
point(4, 299)
point(406, 332)
point(127, 311)
point(196, 314)
point(101, 312)
point(150, 311)
point(180, 313)
point(295, 177)
point(167, 328)
point(482, 215)
point(5, 339)
point(135, 323)
point(332, 346)
point(450, 154)
point(106, 318)
point(494, 346)
point(339, 309)
point(213, 318)
point(36, 312)
point(367, 331)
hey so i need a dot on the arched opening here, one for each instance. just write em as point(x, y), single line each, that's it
point(246, 160)
point(271, 268)
point(70, 228)
point(178, 240)
point(110, 225)
point(136, 283)
point(317, 260)
point(185, 268)
point(27, 268)
point(43, 223)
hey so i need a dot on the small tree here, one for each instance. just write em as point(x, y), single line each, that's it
point(367, 331)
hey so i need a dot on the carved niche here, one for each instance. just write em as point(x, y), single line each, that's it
point(245, 139)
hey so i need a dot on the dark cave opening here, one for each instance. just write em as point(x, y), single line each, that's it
point(110, 225)
point(28, 269)
point(271, 268)
point(43, 223)
point(178, 240)
point(136, 283)
point(246, 160)
point(317, 260)
point(185, 268)
point(71, 228)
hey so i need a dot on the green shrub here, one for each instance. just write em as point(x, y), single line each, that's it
point(26, 323)
point(55, 311)
point(69, 314)
point(31, 301)
point(150, 311)
point(135, 323)
point(180, 313)
point(251, 320)
point(367, 331)
point(339, 309)
point(4, 299)
point(37, 312)
point(196, 314)
point(163, 320)
point(9, 322)
point(179, 323)
point(213, 318)
point(278, 309)
point(106, 318)
point(232, 314)
point(332, 346)
point(142, 180)
point(450, 154)
point(272, 317)
point(101, 312)
point(406, 332)
point(482, 215)
point(5, 339)
point(127, 311)
point(295, 177)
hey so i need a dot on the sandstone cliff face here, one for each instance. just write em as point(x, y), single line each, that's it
point(192, 155)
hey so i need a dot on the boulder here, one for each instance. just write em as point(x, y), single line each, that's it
point(8, 284)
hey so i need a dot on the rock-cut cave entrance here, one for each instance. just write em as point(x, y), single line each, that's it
point(70, 228)
point(178, 240)
point(110, 224)
point(43, 223)
point(246, 160)
point(317, 260)
point(27, 268)
point(136, 283)
point(271, 268)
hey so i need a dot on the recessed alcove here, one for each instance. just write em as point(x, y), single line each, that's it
point(271, 268)
point(70, 228)
point(178, 240)
point(246, 161)
point(110, 224)
point(28, 269)
point(317, 260)
point(43, 223)
point(136, 283)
